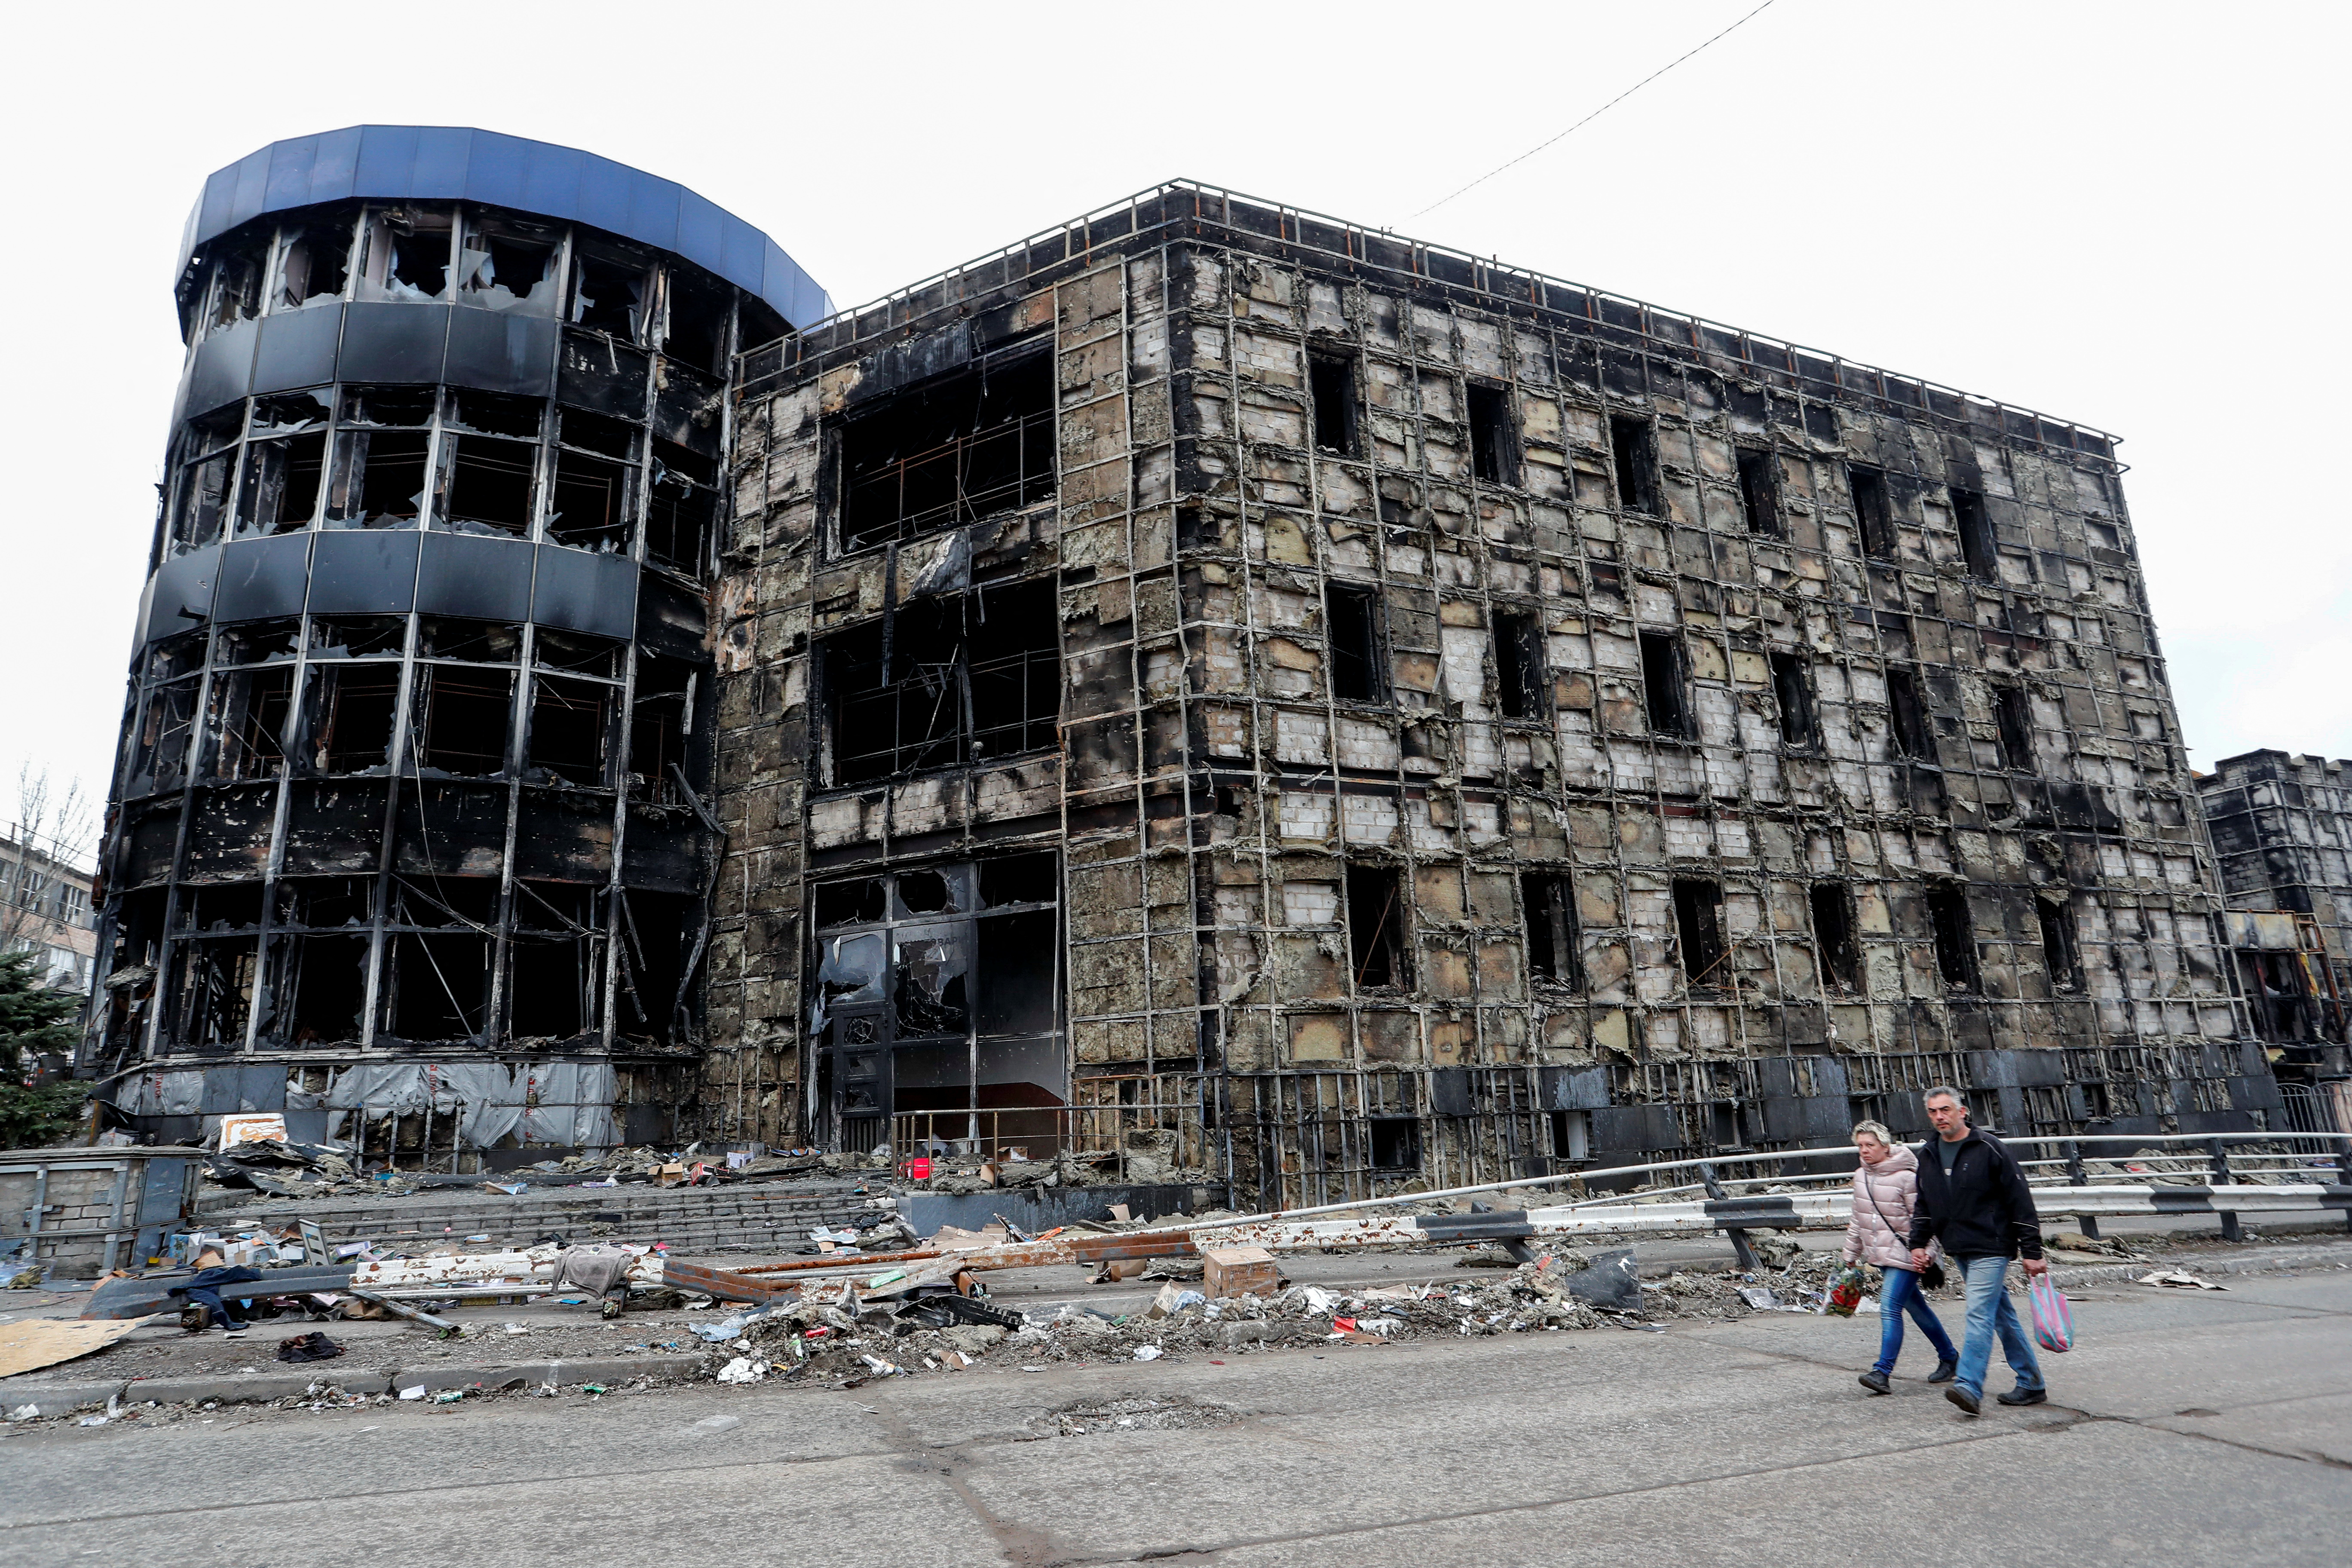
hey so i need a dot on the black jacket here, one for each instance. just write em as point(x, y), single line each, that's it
point(1984, 1209)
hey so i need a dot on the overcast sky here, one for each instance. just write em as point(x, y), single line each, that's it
point(2123, 215)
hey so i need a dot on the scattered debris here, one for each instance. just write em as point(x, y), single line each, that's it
point(1158, 1413)
point(2179, 1279)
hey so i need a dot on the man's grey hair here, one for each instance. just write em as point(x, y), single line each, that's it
point(1946, 1092)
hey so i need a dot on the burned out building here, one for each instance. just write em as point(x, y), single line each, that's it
point(2282, 830)
point(1343, 712)
point(411, 833)
point(1270, 698)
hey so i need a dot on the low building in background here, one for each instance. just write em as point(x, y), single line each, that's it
point(45, 909)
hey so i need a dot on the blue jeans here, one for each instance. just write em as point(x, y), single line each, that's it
point(1991, 1311)
point(1898, 1294)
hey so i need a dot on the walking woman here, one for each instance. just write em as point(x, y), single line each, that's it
point(1886, 1194)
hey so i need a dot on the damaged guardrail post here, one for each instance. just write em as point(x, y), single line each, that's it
point(2077, 1176)
point(1738, 1234)
point(2220, 1157)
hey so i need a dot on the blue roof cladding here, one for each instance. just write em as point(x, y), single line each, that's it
point(435, 162)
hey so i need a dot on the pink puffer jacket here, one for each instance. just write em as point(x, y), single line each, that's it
point(1884, 1197)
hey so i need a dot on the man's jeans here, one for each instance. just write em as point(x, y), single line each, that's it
point(1990, 1312)
point(1899, 1294)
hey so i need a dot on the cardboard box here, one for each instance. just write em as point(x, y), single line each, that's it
point(1228, 1272)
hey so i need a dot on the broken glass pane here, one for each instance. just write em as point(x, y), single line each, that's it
point(257, 641)
point(608, 293)
point(406, 256)
point(492, 485)
point(589, 507)
point(280, 492)
point(379, 478)
point(851, 970)
point(235, 288)
point(580, 654)
point(481, 642)
point(356, 637)
point(850, 903)
point(927, 993)
point(509, 266)
point(313, 262)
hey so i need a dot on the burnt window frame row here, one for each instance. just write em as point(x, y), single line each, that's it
point(260, 700)
point(958, 711)
point(969, 421)
point(467, 452)
point(1878, 534)
point(382, 252)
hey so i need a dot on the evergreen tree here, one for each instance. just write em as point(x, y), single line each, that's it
point(34, 1019)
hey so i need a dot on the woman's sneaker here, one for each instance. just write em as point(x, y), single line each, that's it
point(1944, 1371)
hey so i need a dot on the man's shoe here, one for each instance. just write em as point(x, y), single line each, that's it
point(2024, 1396)
point(1875, 1381)
point(1962, 1397)
point(1944, 1371)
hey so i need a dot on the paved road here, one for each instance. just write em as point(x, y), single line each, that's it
point(2189, 1426)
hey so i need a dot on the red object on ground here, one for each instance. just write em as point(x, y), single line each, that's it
point(1345, 1325)
point(919, 1169)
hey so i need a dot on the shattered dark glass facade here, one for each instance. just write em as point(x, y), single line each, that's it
point(411, 831)
point(1494, 727)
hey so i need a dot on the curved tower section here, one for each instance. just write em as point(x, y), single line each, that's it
point(412, 832)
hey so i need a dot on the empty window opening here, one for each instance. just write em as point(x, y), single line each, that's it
point(281, 485)
point(590, 506)
point(681, 510)
point(608, 293)
point(945, 681)
point(313, 263)
point(1021, 879)
point(858, 902)
point(1396, 1142)
point(1331, 388)
point(1548, 904)
point(1376, 946)
point(439, 984)
point(2012, 714)
point(1699, 932)
point(1872, 513)
point(220, 906)
point(407, 254)
point(509, 266)
point(324, 903)
point(324, 980)
point(1520, 676)
point(2276, 996)
point(216, 992)
point(249, 712)
point(1759, 490)
point(1906, 719)
point(661, 719)
point(1494, 435)
point(1792, 697)
point(208, 476)
point(571, 721)
point(558, 981)
point(490, 485)
point(1358, 673)
point(1955, 933)
point(576, 654)
point(923, 892)
point(351, 709)
point(379, 478)
point(1835, 949)
point(258, 642)
point(358, 637)
point(236, 290)
point(1572, 1135)
point(966, 448)
point(2060, 954)
point(1662, 684)
point(1635, 448)
point(1977, 546)
point(463, 717)
point(477, 642)
point(698, 317)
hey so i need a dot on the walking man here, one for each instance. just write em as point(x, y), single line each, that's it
point(1973, 1198)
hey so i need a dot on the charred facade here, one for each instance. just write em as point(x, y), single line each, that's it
point(2282, 829)
point(1345, 713)
point(411, 818)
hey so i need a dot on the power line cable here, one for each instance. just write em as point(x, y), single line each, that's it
point(1596, 113)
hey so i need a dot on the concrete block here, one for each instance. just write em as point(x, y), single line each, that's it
point(231, 1387)
point(530, 1374)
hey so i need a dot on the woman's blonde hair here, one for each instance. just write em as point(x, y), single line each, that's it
point(1874, 1130)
